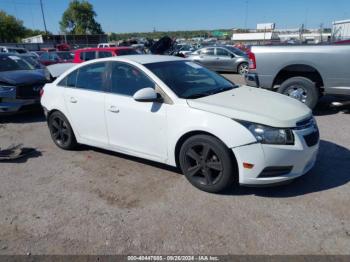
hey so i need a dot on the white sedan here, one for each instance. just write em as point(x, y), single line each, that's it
point(173, 111)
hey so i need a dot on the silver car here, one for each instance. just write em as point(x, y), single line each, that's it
point(222, 58)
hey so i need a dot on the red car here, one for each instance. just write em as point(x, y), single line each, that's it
point(50, 58)
point(86, 54)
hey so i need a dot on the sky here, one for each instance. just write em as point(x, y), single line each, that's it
point(169, 15)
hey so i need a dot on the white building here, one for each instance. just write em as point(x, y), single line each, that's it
point(38, 39)
point(255, 38)
point(341, 30)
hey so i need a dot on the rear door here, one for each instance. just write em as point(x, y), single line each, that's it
point(85, 97)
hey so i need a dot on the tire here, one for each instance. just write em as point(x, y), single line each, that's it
point(302, 89)
point(207, 164)
point(61, 131)
point(243, 68)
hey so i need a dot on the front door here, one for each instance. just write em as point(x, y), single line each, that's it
point(137, 128)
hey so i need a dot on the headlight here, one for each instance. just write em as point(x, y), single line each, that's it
point(6, 88)
point(270, 135)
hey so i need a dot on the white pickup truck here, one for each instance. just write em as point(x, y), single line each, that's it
point(302, 72)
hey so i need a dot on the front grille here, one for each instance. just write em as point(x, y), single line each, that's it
point(29, 92)
point(312, 139)
point(275, 171)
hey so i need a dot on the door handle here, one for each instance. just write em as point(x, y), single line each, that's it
point(113, 109)
point(73, 100)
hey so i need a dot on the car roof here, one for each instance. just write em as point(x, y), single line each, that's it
point(148, 59)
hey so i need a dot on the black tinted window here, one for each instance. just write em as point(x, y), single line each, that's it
point(127, 79)
point(86, 56)
point(70, 80)
point(92, 77)
point(126, 52)
point(222, 52)
point(104, 54)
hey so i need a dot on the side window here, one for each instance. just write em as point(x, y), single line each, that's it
point(93, 77)
point(222, 52)
point(208, 52)
point(70, 80)
point(127, 79)
point(102, 54)
point(86, 56)
point(53, 56)
point(44, 56)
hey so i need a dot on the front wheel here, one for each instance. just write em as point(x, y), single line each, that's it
point(302, 89)
point(207, 164)
point(243, 69)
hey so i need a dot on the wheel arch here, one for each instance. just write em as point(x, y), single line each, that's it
point(299, 70)
point(189, 134)
point(240, 63)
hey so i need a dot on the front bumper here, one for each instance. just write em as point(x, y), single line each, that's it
point(14, 105)
point(297, 159)
point(15, 99)
point(252, 79)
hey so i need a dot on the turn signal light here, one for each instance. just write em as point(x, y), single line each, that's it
point(248, 165)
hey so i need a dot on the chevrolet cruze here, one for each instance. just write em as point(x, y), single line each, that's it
point(174, 111)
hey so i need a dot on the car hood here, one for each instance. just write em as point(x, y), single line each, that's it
point(23, 77)
point(254, 105)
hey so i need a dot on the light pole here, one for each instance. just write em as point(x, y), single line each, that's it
point(42, 12)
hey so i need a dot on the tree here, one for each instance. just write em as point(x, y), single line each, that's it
point(79, 18)
point(11, 29)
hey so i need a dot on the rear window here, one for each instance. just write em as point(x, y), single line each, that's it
point(126, 52)
point(13, 62)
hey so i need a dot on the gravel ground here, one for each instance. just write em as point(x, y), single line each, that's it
point(93, 201)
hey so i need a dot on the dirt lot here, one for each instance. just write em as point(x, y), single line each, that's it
point(96, 202)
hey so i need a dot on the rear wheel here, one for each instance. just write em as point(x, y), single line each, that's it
point(61, 131)
point(243, 68)
point(206, 162)
point(302, 89)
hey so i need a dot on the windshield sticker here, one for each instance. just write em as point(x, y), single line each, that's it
point(14, 57)
point(193, 65)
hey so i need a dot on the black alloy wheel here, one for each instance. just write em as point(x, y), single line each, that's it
point(61, 131)
point(206, 163)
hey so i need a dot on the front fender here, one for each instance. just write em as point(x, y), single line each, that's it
point(230, 132)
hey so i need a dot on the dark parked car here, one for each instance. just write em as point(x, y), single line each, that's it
point(20, 83)
point(50, 58)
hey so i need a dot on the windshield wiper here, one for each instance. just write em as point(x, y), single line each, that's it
point(211, 92)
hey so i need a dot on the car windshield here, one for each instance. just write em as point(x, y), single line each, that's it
point(189, 80)
point(65, 55)
point(31, 61)
point(12, 63)
point(19, 51)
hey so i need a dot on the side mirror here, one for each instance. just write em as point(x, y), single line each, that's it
point(232, 55)
point(147, 94)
